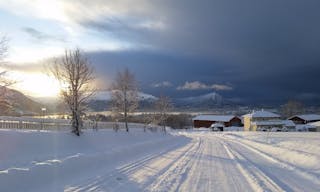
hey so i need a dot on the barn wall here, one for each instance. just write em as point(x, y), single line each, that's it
point(233, 122)
point(297, 120)
point(198, 123)
point(201, 123)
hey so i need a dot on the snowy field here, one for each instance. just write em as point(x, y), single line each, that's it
point(179, 161)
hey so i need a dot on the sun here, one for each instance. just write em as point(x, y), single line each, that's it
point(37, 84)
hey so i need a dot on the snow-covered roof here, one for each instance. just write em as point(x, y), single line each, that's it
point(307, 117)
point(262, 113)
point(289, 123)
point(218, 118)
point(280, 122)
point(317, 124)
point(217, 125)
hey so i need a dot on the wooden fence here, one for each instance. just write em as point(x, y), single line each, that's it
point(31, 123)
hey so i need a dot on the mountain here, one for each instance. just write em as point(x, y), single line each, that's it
point(101, 101)
point(16, 103)
point(202, 101)
point(106, 96)
point(213, 98)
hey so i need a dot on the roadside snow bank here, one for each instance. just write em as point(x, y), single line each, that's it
point(301, 150)
point(37, 161)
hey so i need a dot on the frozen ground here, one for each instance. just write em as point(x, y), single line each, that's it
point(138, 161)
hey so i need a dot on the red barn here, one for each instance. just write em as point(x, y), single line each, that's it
point(208, 120)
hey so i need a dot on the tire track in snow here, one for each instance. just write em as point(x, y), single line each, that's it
point(200, 177)
point(286, 165)
point(193, 173)
point(256, 177)
point(231, 174)
point(172, 178)
point(162, 163)
point(211, 169)
point(114, 177)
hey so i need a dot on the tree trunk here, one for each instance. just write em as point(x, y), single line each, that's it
point(126, 111)
point(75, 123)
point(126, 121)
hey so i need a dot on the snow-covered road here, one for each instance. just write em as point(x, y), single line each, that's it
point(185, 161)
point(210, 162)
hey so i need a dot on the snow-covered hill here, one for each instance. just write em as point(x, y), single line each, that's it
point(106, 96)
point(101, 100)
point(16, 103)
point(202, 101)
point(213, 97)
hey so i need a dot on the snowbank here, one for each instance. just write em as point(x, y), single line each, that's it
point(301, 150)
point(49, 161)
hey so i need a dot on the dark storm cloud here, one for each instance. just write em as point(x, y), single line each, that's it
point(246, 30)
point(268, 50)
point(275, 86)
point(153, 67)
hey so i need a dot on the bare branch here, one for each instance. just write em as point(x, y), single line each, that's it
point(3, 47)
point(75, 75)
point(163, 105)
point(125, 94)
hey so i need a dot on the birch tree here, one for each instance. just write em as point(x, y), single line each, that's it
point(3, 52)
point(291, 108)
point(3, 47)
point(4, 82)
point(163, 106)
point(75, 75)
point(125, 95)
point(5, 106)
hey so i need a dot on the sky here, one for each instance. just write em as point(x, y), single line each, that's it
point(250, 51)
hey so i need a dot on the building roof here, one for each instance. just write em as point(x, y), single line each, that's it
point(289, 123)
point(317, 124)
point(217, 118)
point(262, 113)
point(307, 117)
point(279, 122)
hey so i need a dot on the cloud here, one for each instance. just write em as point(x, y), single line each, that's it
point(267, 51)
point(202, 28)
point(24, 67)
point(41, 36)
point(162, 84)
point(220, 87)
point(197, 85)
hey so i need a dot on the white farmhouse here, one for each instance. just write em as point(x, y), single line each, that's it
point(262, 121)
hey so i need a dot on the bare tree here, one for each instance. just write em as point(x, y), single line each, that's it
point(291, 108)
point(125, 94)
point(3, 47)
point(75, 75)
point(163, 106)
point(4, 81)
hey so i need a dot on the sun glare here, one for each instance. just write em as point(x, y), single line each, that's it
point(37, 84)
point(51, 9)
